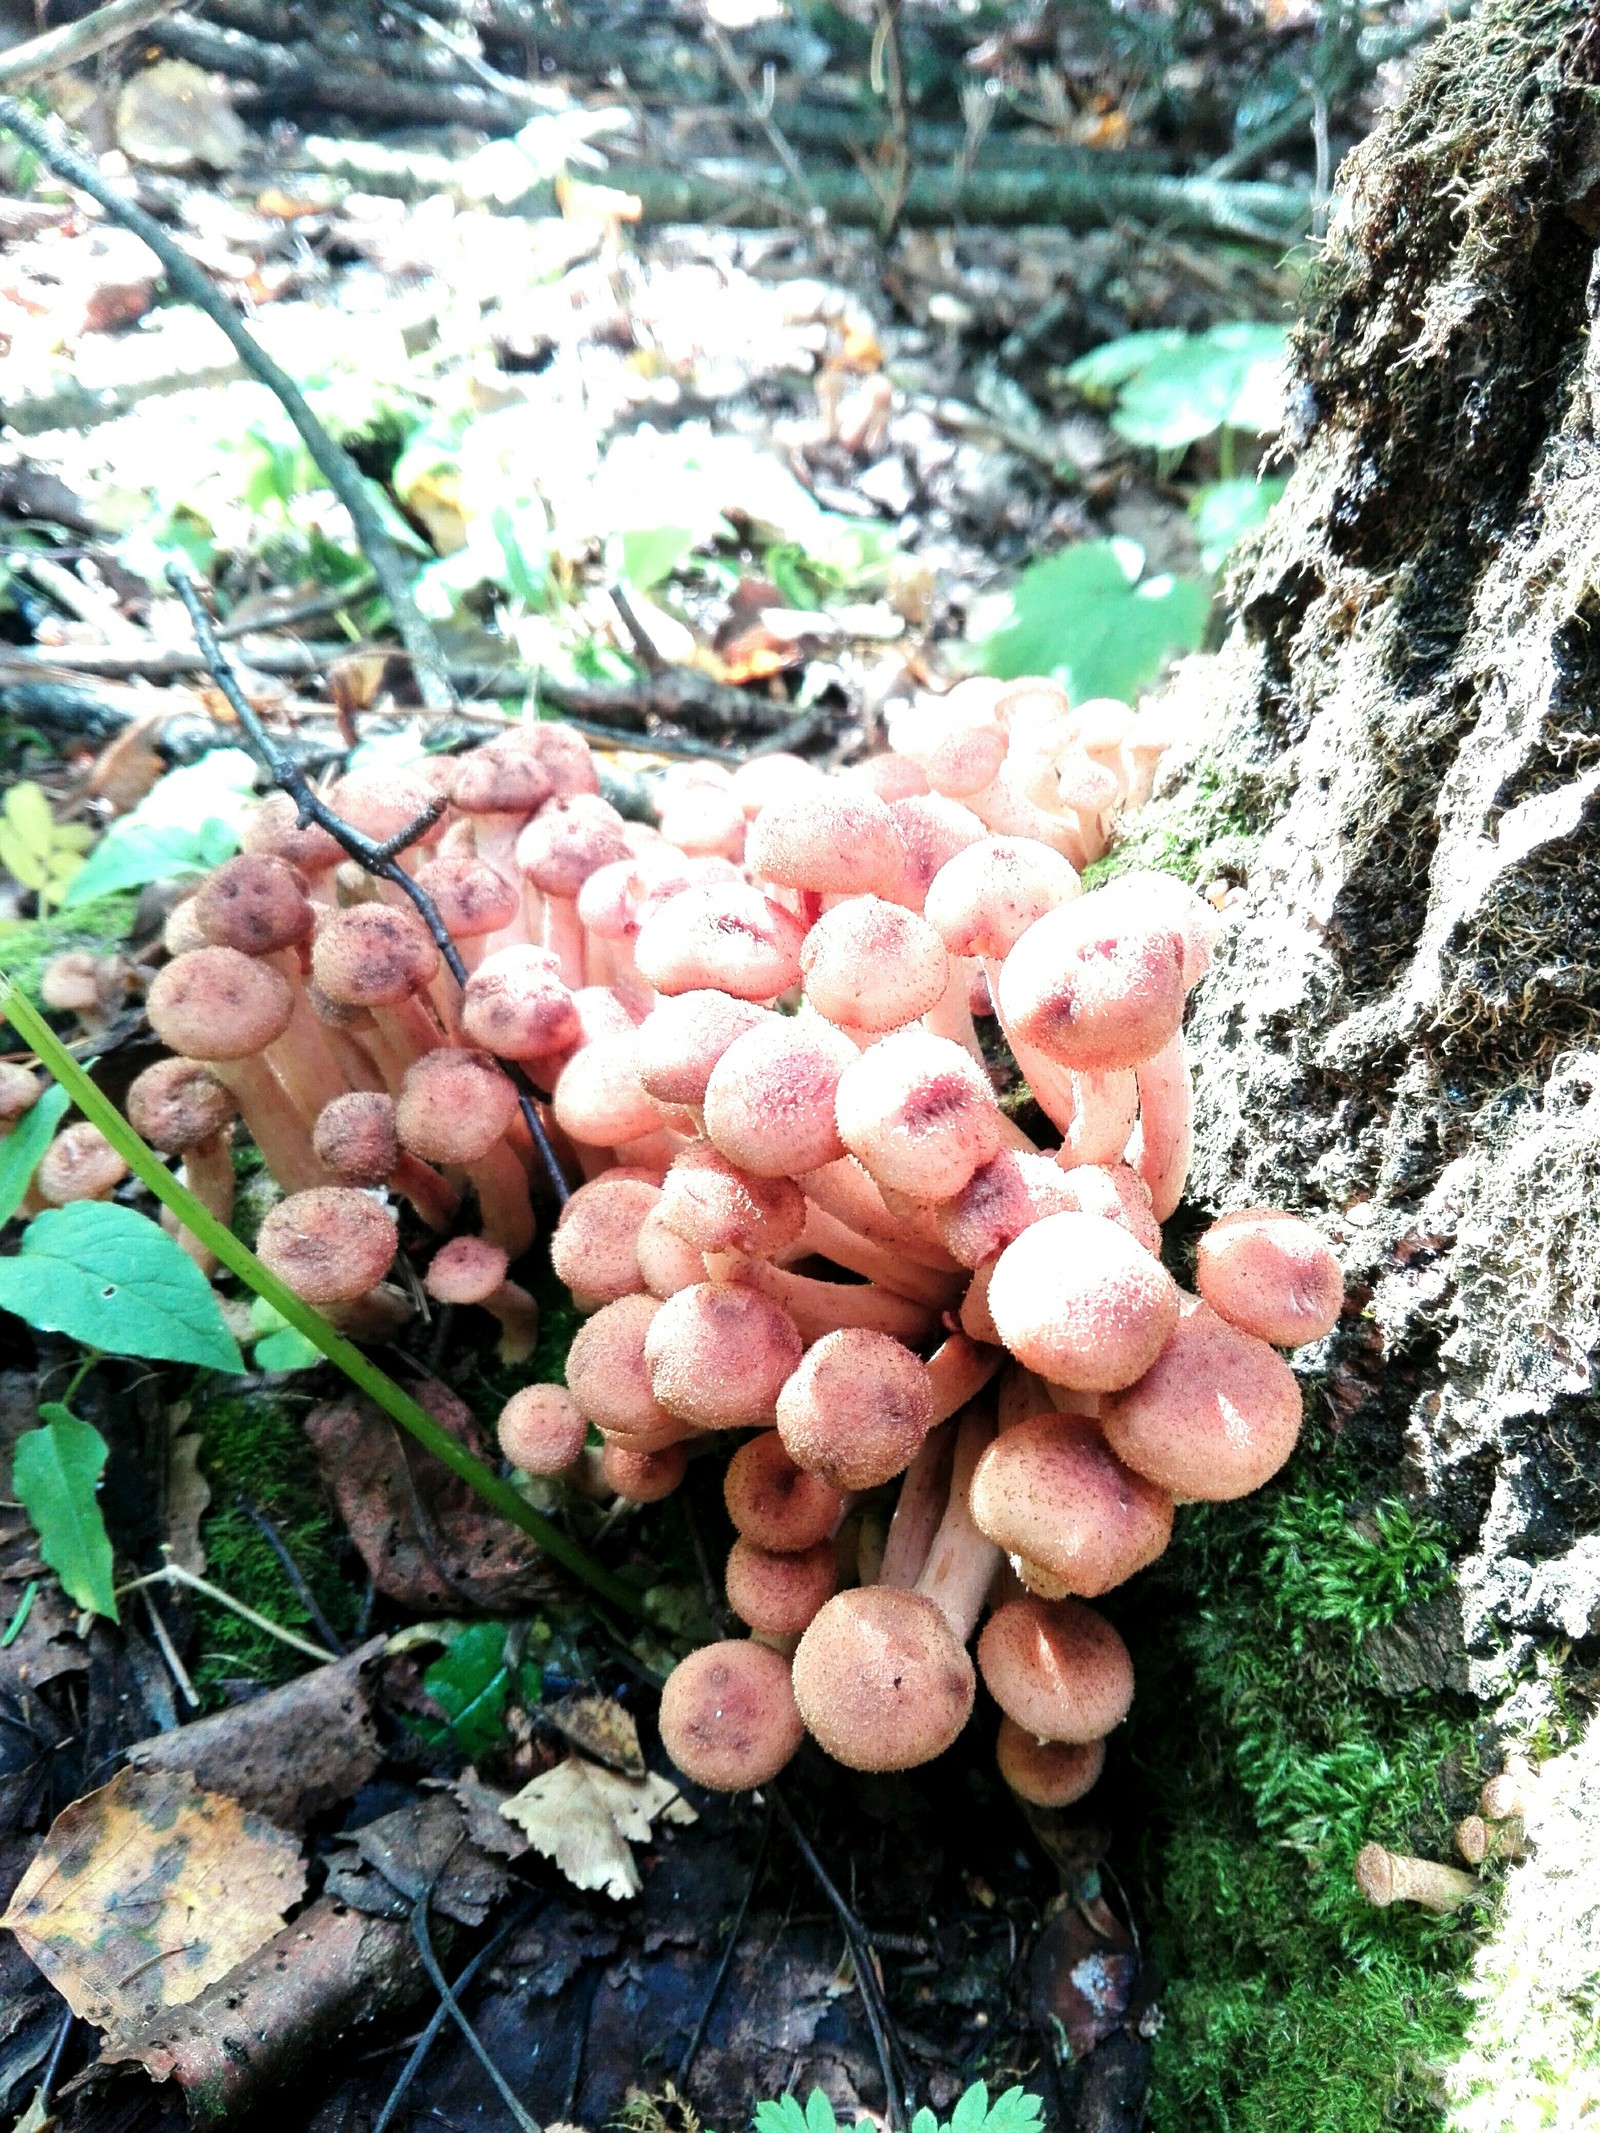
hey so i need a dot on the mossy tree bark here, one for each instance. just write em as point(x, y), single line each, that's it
point(1402, 1033)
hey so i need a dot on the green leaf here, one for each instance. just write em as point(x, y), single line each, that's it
point(1231, 377)
point(1014, 2112)
point(131, 853)
point(472, 1684)
point(782, 2115)
point(819, 2113)
point(1079, 616)
point(287, 1350)
point(27, 813)
point(1224, 511)
point(20, 860)
point(650, 554)
point(972, 2111)
point(115, 1280)
point(1098, 374)
point(925, 2122)
point(19, 1155)
point(55, 1474)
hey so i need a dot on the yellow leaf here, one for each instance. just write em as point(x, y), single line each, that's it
point(149, 1890)
point(28, 812)
point(20, 861)
point(587, 1819)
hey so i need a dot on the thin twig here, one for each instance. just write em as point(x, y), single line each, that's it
point(726, 1964)
point(335, 465)
point(292, 1571)
point(175, 1574)
point(888, 62)
point(441, 2014)
point(169, 1652)
point(79, 40)
point(378, 860)
point(590, 1992)
point(859, 1945)
point(441, 1985)
point(41, 2101)
point(739, 75)
point(309, 609)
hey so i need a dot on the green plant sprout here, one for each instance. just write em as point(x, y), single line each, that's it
point(1014, 2111)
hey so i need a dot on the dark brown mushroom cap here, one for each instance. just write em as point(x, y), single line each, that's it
point(541, 1429)
point(1053, 1492)
point(178, 1103)
point(454, 1106)
point(775, 1504)
point(880, 1680)
point(856, 1409)
point(1047, 1773)
point(778, 1594)
point(1056, 1667)
point(719, 1355)
point(1215, 1415)
point(1270, 1274)
point(329, 1245)
point(373, 955)
point(465, 1271)
point(254, 903)
point(215, 1003)
point(355, 1137)
point(1080, 1302)
point(728, 1717)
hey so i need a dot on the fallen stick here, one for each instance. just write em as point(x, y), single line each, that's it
point(48, 54)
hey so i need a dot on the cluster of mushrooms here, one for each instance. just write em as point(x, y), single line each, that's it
point(805, 1217)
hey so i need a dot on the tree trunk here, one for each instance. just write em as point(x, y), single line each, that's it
point(1401, 764)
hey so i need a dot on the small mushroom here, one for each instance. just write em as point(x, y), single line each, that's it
point(471, 1270)
point(1270, 1274)
point(1386, 1877)
point(728, 1717)
point(775, 1504)
point(880, 1679)
point(1047, 1773)
point(541, 1429)
point(1057, 1668)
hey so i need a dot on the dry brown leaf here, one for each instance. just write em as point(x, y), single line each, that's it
point(588, 1819)
point(147, 1891)
point(188, 1494)
point(601, 1728)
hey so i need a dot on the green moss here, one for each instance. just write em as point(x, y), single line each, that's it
point(1265, 1756)
point(27, 946)
point(254, 1446)
point(1204, 829)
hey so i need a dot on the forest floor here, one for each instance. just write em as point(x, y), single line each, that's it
point(811, 465)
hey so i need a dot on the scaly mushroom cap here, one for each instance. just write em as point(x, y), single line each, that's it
point(1116, 1193)
point(70, 983)
point(469, 896)
point(681, 1040)
point(857, 1408)
point(880, 1680)
point(770, 1099)
point(1165, 899)
point(1270, 1274)
point(541, 1430)
point(1050, 1491)
point(565, 754)
point(254, 903)
point(641, 1476)
point(1001, 1199)
point(873, 965)
point(1096, 984)
point(1057, 1668)
point(79, 1164)
point(599, 1098)
point(718, 1355)
point(178, 1103)
point(704, 821)
point(956, 739)
point(775, 1504)
point(465, 1271)
point(934, 829)
point(355, 1138)
point(329, 1245)
point(1215, 1415)
point(215, 1003)
point(273, 826)
point(454, 1106)
point(608, 1377)
point(727, 936)
point(496, 780)
point(567, 840)
point(516, 1006)
point(728, 1718)
point(1047, 1773)
point(918, 1111)
point(828, 838)
point(1079, 1302)
point(373, 955)
point(717, 1207)
point(778, 1595)
point(983, 900)
point(594, 1249)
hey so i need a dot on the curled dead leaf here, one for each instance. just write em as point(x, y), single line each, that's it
point(587, 1821)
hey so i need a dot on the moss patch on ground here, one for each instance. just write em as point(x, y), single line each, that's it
point(254, 1446)
point(1265, 1755)
point(27, 946)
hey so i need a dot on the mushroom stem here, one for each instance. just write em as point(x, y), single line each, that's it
point(924, 1492)
point(1386, 1877)
point(1106, 1107)
point(958, 1370)
point(519, 1321)
point(1052, 1085)
point(844, 1190)
point(565, 938)
point(822, 1307)
point(961, 1562)
point(828, 1238)
point(505, 1210)
point(302, 1057)
point(1164, 1137)
point(433, 1196)
point(951, 1015)
point(208, 1173)
point(1478, 1840)
point(1511, 1793)
point(273, 1122)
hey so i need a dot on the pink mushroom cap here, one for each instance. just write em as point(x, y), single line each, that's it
point(728, 1716)
point(719, 1354)
point(728, 937)
point(1051, 1491)
point(856, 1409)
point(872, 965)
point(918, 1112)
point(1081, 1303)
point(1270, 1274)
point(881, 1681)
point(1057, 1669)
point(770, 1098)
point(1215, 1415)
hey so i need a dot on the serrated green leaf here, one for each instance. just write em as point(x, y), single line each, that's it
point(20, 1153)
point(925, 2122)
point(819, 2113)
point(55, 1473)
point(1076, 616)
point(28, 815)
point(1015, 2112)
point(780, 2115)
point(115, 1280)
